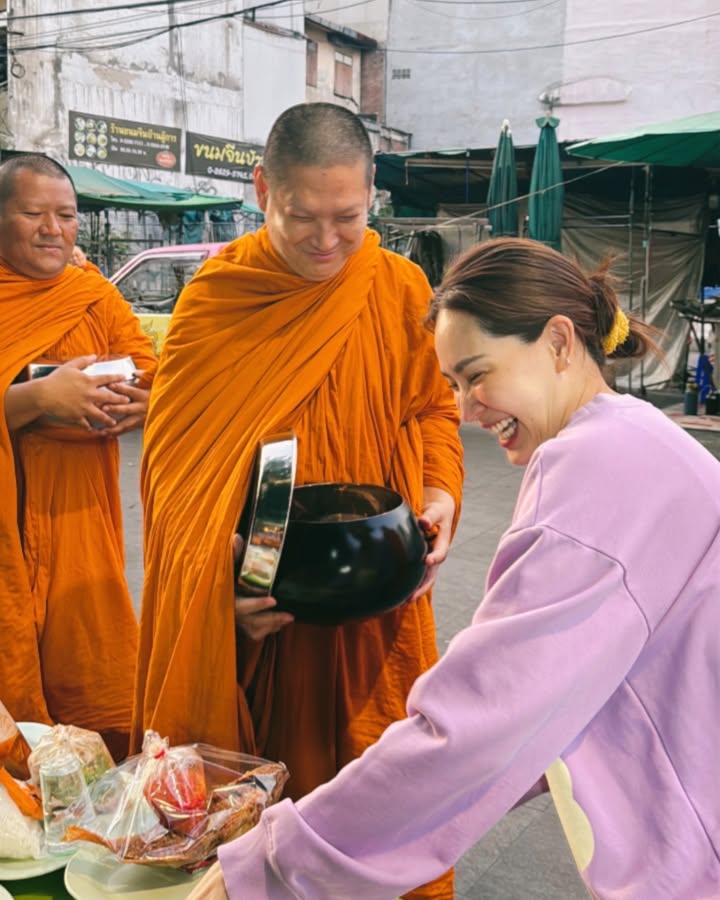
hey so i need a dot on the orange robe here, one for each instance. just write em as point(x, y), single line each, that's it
point(68, 631)
point(253, 350)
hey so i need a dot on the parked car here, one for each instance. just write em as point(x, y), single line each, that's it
point(152, 280)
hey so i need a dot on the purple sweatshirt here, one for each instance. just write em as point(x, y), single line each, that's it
point(592, 657)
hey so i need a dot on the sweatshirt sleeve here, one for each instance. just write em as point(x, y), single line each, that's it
point(554, 637)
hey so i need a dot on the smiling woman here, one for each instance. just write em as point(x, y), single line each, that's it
point(522, 336)
point(591, 663)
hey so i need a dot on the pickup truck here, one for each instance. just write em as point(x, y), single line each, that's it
point(152, 280)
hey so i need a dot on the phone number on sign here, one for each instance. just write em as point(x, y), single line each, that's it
point(229, 173)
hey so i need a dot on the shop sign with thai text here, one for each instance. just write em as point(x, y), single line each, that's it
point(220, 158)
point(103, 139)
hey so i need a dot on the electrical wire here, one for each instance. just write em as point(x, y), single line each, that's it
point(454, 221)
point(87, 29)
point(591, 40)
point(58, 33)
point(138, 37)
point(477, 2)
point(484, 18)
point(99, 9)
point(395, 50)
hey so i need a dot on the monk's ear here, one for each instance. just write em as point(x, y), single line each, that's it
point(261, 187)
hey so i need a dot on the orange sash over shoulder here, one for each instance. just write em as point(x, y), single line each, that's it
point(66, 620)
point(253, 349)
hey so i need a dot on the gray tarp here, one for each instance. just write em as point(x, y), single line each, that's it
point(677, 248)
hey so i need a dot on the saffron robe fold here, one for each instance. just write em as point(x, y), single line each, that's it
point(68, 631)
point(252, 350)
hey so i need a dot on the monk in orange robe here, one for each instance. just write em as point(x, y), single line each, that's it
point(68, 630)
point(307, 325)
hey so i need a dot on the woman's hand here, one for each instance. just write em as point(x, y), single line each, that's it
point(436, 522)
point(255, 615)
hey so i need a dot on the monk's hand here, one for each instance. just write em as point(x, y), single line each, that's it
point(255, 615)
point(73, 396)
point(133, 409)
point(436, 523)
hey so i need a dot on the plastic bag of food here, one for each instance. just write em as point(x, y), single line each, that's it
point(88, 746)
point(14, 749)
point(23, 794)
point(174, 806)
point(21, 837)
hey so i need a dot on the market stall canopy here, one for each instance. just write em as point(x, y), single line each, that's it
point(96, 190)
point(691, 141)
point(420, 179)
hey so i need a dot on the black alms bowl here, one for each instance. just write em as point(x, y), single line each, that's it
point(350, 551)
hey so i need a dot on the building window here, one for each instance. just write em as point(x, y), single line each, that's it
point(311, 64)
point(343, 75)
point(400, 73)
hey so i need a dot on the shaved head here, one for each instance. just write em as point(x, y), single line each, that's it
point(28, 162)
point(316, 134)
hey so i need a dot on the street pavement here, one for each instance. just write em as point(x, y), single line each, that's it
point(525, 857)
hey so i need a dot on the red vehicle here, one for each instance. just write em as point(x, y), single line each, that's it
point(151, 282)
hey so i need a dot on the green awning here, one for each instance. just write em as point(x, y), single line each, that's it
point(96, 190)
point(692, 141)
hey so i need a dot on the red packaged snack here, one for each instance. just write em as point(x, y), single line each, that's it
point(175, 785)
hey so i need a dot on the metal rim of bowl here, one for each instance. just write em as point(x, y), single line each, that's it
point(282, 447)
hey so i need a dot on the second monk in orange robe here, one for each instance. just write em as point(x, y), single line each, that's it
point(307, 325)
point(68, 631)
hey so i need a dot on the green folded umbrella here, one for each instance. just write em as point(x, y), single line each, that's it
point(502, 190)
point(547, 191)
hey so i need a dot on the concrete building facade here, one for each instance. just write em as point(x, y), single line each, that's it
point(147, 80)
point(347, 67)
point(423, 74)
point(456, 70)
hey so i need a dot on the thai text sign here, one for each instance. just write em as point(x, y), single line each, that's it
point(220, 158)
point(103, 139)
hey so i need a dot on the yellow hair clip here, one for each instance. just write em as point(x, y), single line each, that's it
point(618, 333)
